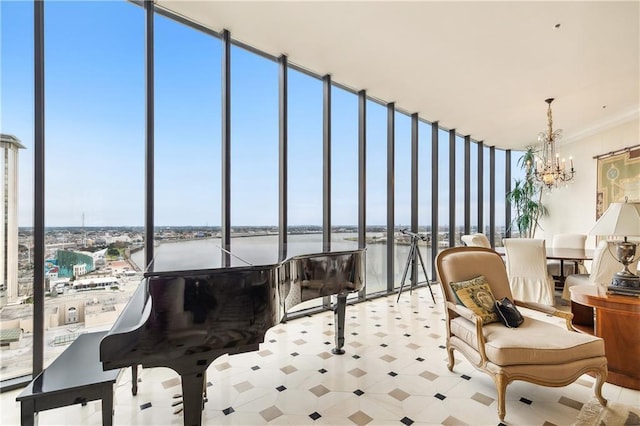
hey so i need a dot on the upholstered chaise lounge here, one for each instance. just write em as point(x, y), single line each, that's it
point(537, 351)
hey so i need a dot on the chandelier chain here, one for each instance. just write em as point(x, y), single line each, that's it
point(549, 170)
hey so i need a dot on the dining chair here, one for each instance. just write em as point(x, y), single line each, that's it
point(537, 351)
point(526, 261)
point(476, 240)
point(573, 241)
point(603, 267)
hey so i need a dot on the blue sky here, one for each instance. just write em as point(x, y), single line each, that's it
point(94, 80)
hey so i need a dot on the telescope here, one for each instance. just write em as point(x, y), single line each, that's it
point(413, 234)
point(413, 259)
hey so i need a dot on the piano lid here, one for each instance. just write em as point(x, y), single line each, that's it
point(198, 262)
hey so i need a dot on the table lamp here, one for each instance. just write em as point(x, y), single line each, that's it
point(622, 220)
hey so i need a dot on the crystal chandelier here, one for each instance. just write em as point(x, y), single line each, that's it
point(549, 169)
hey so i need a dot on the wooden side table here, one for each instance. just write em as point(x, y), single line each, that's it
point(615, 318)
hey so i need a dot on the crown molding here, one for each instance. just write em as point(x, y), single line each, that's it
point(625, 117)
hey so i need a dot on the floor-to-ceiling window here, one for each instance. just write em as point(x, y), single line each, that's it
point(305, 166)
point(473, 195)
point(442, 233)
point(305, 106)
point(460, 190)
point(16, 189)
point(254, 158)
point(500, 194)
point(424, 197)
point(486, 192)
point(402, 192)
point(94, 164)
point(187, 144)
point(376, 188)
point(518, 171)
point(344, 169)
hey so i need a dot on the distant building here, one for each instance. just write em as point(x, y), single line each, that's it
point(95, 283)
point(9, 225)
point(79, 270)
point(74, 263)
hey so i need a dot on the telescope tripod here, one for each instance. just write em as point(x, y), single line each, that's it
point(414, 251)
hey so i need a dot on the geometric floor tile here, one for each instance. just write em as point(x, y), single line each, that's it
point(360, 418)
point(482, 399)
point(570, 403)
point(428, 375)
point(293, 380)
point(399, 394)
point(319, 390)
point(270, 413)
point(356, 372)
point(452, 421)
point(175, 381)
point(243, 387)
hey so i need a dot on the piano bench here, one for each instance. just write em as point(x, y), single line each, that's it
point(75, 377)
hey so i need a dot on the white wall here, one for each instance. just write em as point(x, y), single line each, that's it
point(573, 209)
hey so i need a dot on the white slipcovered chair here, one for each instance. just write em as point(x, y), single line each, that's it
point(476, 240)
point(572, 241)
point(537, 351)
point(526, 261)
point(603, 267)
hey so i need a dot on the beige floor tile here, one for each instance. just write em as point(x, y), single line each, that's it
point(384, 399)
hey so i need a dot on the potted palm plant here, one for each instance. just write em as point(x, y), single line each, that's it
point(526, 198)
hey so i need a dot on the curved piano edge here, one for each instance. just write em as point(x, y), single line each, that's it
point(316, 275)
point(359, 251)
point(121, 335)
point(310, 276)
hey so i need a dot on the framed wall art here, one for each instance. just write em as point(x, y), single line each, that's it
point(618, 178)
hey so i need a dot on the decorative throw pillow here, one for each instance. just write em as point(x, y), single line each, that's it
point(476, 295)
point(508, 314)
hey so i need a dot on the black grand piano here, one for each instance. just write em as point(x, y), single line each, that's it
point(184, 319)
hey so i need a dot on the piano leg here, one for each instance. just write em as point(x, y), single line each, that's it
point(134, 379)
point(192, 386)
point(338, 319)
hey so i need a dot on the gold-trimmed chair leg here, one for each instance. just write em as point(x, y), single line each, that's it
point(451, 358)
point(601, 377)
point(501, 386)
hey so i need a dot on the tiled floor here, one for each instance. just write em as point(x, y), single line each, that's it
point(394, 372)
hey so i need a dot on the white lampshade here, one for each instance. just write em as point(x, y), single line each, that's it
point(621, 219)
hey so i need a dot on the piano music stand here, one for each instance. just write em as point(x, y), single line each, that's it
point(411, 260)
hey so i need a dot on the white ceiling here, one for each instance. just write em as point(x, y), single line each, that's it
point(483, 68)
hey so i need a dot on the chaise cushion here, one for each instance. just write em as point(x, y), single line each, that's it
point(534, 342)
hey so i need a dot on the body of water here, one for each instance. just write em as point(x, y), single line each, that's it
point(263, 250)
